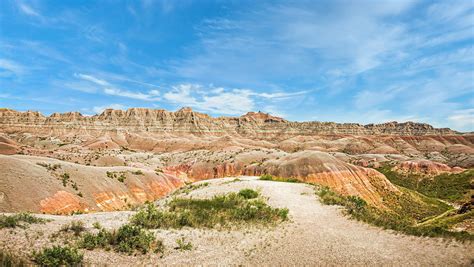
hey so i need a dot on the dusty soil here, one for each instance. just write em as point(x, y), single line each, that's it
point(315, 234)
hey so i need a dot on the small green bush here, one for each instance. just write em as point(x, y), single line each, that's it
point(58, 256)
point(16, 220)
point(248, 193)
point(122, 178)
point(138, 172)
point(183, 245)
point(100, 240)
point(96, 225)
point(49, 167)
point(266, 177)
point(127, 239)
point(65, 178)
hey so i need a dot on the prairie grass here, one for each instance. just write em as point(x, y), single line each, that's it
point(19, 220)
point(453, 187)
point(404, 213)
point(127, 239)
point(221, 210)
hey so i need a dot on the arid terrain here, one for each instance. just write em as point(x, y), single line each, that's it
point(315, 234)
point(104, 168)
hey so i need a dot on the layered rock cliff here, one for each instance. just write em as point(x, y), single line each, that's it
point(252, 124)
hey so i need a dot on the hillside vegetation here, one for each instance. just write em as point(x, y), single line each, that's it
point(453, 187)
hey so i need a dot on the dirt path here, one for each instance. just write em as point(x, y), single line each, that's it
point(316, 234)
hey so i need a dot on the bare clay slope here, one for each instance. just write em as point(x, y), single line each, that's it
point(46, 185)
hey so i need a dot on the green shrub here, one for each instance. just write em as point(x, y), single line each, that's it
point(183, 245)
point(16, 220)
point(128, 239)
point(220, 210)
point(58, 256)
point(138, 172)
point(7, 260)
point(266, 177)
point(96, 225)
point(49, 167)
point(122, 178)
point(100, 240)
point(131, 237)
point(248, 193)
point(65, 178)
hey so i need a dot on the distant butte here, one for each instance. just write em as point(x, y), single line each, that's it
point(255, 124)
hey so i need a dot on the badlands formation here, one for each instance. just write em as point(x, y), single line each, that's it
point(409, 177)
point(119, 159)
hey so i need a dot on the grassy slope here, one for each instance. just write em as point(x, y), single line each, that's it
point(418, 210)
point(411, 213)
point(449, 187)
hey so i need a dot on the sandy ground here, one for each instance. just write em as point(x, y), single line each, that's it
point(315, 235)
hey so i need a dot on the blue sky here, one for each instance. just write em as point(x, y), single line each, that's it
point(344, 61)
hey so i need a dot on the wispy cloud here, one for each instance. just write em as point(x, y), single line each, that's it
point(28, 10)
point(221, 100)
point(93, 79)
point(109, 89)
point(12, 66)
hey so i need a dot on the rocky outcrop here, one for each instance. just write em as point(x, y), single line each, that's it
point(187, 121)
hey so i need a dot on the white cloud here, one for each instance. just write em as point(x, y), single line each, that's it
point(12, 66)
point(93, 79)
point(227, 103)
point(217, 101)
point(109, 89)
point(220, 100)
point(154, 92)
point(100, 109)
point(181, 94)
point(277, 95)
point(28, 10)
point(298, 41)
